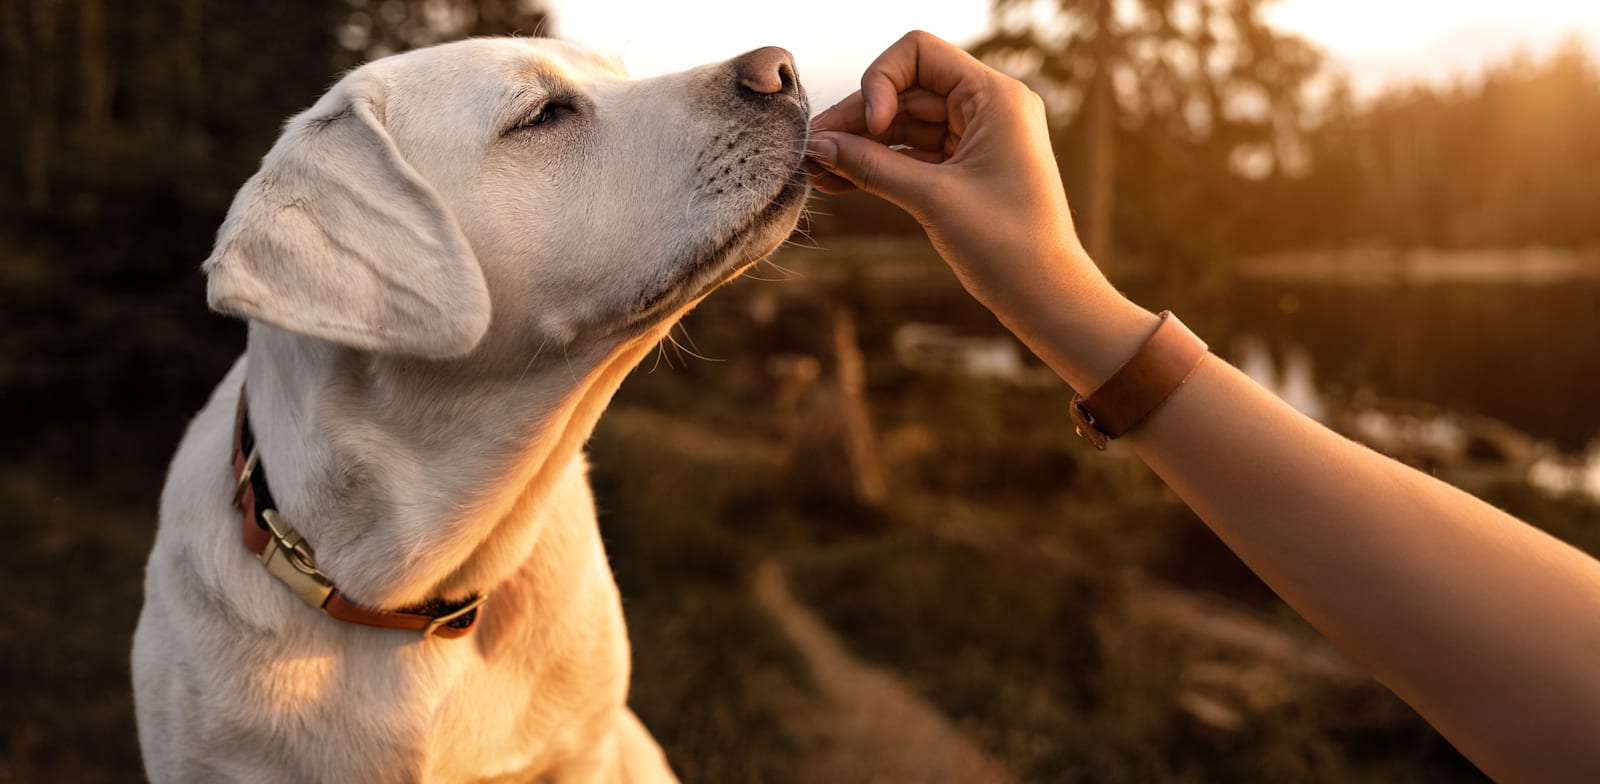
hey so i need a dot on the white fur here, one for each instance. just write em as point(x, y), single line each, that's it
point(440, 310)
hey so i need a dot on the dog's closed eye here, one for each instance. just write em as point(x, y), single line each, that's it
point(545, 114)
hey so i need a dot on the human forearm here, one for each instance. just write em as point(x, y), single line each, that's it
point(1488, 627)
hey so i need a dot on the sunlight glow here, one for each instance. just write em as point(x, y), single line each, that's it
point(1384, 40)
point(1376, 41)
point(833, 41)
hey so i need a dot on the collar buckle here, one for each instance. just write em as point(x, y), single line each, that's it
point(288, 558)
point(244, 476)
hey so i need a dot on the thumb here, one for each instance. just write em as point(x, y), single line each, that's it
point(870, 166)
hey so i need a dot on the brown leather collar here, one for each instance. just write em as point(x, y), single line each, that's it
point(290, 558)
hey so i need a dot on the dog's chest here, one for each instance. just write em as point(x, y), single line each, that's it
point(441, 715)
point(520, 723)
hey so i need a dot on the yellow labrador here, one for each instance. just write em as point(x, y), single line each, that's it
point(448, 265)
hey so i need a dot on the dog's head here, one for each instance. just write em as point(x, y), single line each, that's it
point(524, 188)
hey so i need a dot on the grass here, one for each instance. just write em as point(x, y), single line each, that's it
point(1048, 673)
point(1003, 652)
point(713, 679)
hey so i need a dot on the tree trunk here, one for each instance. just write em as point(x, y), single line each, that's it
point(38, 52)
point(860, 442)
point(1099, 150)
point(95, 76)
point(191, 64)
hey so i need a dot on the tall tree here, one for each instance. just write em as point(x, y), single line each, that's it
point(1505, 160)
point(30, 33)
point(1207, 76)
point(181, 97)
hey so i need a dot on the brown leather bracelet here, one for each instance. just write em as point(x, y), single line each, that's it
point(1161, 365)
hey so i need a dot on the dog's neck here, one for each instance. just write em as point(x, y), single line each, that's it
point(415, 479)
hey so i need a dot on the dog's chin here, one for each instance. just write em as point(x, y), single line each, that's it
point(756, 241)
point(712, 268)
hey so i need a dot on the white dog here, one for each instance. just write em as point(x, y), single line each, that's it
point(449, 263)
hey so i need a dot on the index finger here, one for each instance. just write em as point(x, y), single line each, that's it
point(847, 115)
point(918, 59)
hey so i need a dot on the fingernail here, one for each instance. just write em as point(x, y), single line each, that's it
point(823, 150)
point(868, 105)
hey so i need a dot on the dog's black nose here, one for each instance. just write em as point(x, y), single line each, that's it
point(766, 71)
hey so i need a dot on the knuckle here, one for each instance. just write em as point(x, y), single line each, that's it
point(867, 174)
point(1034, 102)
point(1022, 98)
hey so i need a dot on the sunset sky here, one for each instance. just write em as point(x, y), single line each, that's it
point(1374, 40)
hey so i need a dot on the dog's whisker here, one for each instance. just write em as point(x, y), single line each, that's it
point(685, 330)
point(694, 354)
point(785, 274)
point(766, 280)
point(533, 359)
point(568, 359)
point(793, 274)
point(810, 241)
point(659, 352)
point(676, 349)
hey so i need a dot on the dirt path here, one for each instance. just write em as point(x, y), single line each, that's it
point(873, 729)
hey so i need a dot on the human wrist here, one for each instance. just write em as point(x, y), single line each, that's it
point(1084, 330)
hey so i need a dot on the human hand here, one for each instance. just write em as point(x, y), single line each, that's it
point(966, 151)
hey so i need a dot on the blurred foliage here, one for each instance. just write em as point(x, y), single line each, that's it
point(1190, 133)
point(1572, 520)
point(376, 28)
point(134, 124)
point(1163, 109)
point(174, 101)
point(1499, 161)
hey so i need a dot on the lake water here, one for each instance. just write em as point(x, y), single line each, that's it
point(1528, 355)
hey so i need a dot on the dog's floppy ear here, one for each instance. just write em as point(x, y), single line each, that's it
point(338, 237)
